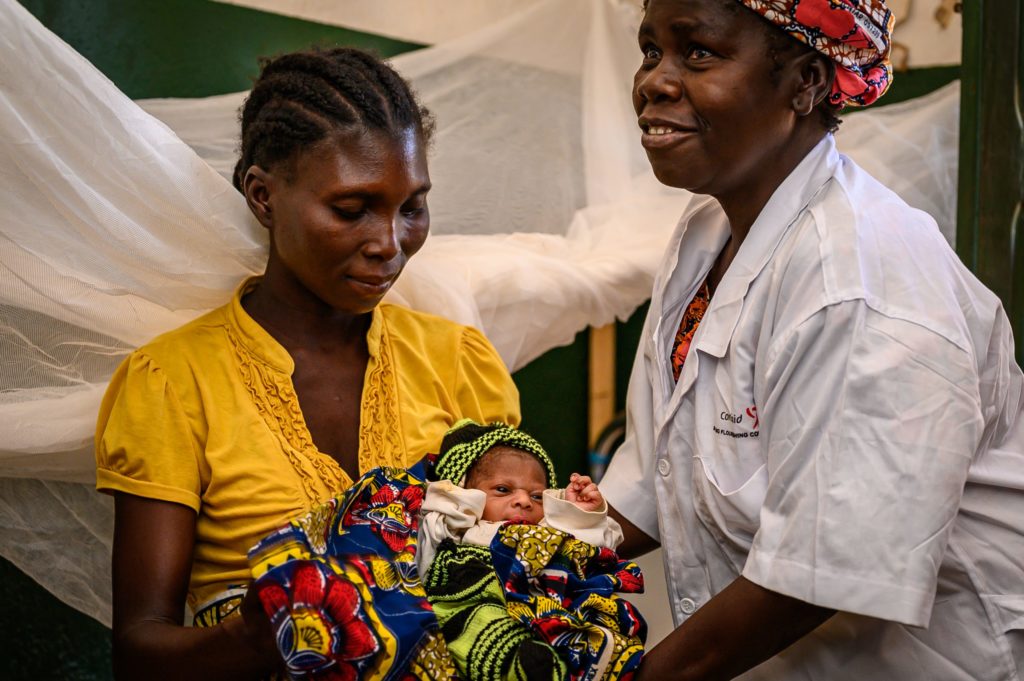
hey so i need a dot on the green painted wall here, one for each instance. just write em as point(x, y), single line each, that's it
point(185, 48)
point(990, 216)
point(910, 84)
point(41, 638)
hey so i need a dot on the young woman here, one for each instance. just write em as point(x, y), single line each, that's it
point(214, 434)
point(821, 415)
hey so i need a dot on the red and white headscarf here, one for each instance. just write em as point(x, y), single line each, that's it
point(855, 34)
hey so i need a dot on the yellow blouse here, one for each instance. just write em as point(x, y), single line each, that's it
point(207, 416)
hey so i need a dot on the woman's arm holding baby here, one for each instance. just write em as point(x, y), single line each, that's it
point(152, 560)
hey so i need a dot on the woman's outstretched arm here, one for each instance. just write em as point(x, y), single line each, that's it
point(635, 542)
point(152, 560)
point(736, 630)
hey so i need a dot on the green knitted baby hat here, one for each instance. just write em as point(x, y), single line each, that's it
point(467, 441)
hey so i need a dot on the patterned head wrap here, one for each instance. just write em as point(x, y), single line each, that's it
point(855, 34)
point(467, 441)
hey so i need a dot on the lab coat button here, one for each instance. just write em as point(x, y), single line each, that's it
point(687, 606)
point(664, 467)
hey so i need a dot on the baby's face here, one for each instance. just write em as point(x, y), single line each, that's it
point(514, 482)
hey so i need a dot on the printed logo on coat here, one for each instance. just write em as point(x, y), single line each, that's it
point(752, 413)
point(743, 423)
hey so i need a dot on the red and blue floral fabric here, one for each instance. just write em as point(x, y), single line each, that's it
point(855, 34)
point(687, 328)
point(345, 601)
point(341, 589)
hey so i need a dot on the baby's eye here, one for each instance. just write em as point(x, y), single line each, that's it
point(651, 52)
point(501, 489)
point(537, 497)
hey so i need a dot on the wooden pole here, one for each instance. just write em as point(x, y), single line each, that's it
point(601, 385)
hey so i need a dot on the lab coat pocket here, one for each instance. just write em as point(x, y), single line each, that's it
point(734, 502)
point(1009, 615)
point(1011, 611)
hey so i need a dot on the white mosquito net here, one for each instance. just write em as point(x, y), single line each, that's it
point(119, 223)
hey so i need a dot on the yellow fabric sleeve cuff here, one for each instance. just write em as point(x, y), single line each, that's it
point(108, 481)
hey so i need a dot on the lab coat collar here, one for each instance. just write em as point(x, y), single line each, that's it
point(778, 215)
point(699, 236)
point(702, 233)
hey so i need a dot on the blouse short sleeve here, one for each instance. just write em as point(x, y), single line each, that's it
point(144, 443)
point(484, 389)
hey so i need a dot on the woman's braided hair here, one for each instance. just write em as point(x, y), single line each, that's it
point(300, 98)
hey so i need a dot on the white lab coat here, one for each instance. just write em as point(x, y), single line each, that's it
point(453, 512)
point(842, 432)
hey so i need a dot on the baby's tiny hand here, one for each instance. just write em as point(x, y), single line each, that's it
point(583, 492)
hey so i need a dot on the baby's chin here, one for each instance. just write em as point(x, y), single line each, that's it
point(514, 519)
point(521, 520)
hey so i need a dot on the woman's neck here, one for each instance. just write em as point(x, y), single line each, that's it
point(743, 204)
point(299, 322)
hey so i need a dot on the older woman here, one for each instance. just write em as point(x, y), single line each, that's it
point(822, 412)
point(215, 434)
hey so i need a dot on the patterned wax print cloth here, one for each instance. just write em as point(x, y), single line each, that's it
point(341, 589)
point(687, 327)
point(537, 604)
point(855, 34)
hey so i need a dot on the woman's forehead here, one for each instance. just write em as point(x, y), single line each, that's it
point(350, 161)
point(727, 27)
point(690, 15)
